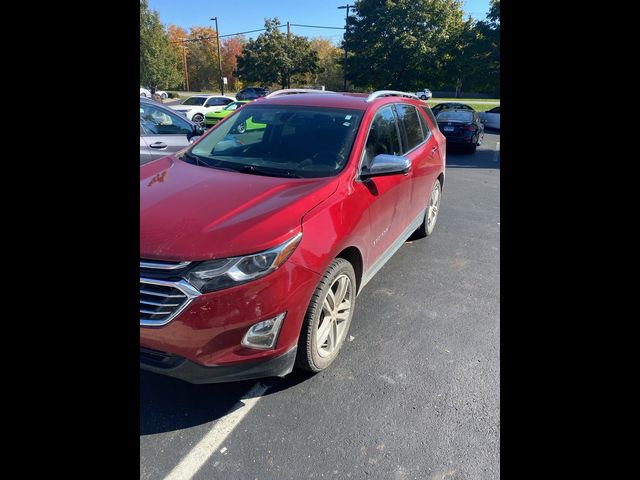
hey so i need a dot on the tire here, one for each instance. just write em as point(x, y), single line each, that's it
point(242, 127)
point(312, 355)
point(431, 214)
point(164, 96)
point(198, 118)
point(143, 95)
point(423, 97)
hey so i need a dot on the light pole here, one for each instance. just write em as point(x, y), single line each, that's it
point(219, 57)
point(346, 24)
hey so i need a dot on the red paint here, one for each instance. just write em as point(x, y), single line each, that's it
point(196, 213)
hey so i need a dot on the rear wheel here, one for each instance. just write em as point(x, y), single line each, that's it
point(423, 97)
point(198, 118)
point(431, 215)
point(328, 317)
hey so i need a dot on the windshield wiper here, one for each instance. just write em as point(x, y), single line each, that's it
point(253, 170)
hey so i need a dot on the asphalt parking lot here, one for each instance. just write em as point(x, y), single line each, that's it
point(414, 394)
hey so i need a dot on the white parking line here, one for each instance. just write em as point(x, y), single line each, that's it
point(212, 441)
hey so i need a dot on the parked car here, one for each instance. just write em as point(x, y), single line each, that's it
point(197, 106)
point(163, 131)
point(449, 106)
point(255, 245)
point(461, 127)
point(211, 118)
point(491, 118)
point(251, 93)
point(162, 94)
point(145, 93)
point(424, 94)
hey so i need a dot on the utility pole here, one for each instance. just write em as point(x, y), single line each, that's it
point(346, 24)
point(184, 63)
point(288, 39)
point(219, 57)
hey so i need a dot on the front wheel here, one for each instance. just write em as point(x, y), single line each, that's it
point(431, 215)
point(423, 97)
point(328, 317)
point(164, 96)
point(242, 127)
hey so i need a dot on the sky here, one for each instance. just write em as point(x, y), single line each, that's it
point(246, 15)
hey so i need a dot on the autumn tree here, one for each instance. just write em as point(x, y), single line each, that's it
point(176, 36)
point(275, 58)
point(230, 49)
point(158, 61)
point(202, 59)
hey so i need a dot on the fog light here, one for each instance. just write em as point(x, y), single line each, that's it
point(263, 335)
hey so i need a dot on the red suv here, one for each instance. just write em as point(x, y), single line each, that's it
point(256, 240)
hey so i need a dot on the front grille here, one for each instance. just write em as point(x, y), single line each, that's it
point(161, 300)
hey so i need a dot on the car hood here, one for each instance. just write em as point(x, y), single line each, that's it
point(189, 212)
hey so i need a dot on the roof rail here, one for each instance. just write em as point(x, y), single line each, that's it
point(389, 93)
point(288, 91)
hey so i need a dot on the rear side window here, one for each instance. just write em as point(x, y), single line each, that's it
point(431, 116)
point(408, 116)
point(214, 102)
point(383, 136)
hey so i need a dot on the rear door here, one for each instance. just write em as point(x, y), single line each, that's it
point(163, 132)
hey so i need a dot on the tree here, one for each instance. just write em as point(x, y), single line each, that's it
point(329, 72)
point(176, 36)
point(230, 49)
point(400, 44)
point(274, 57)
point(202, 59)
point(158, 61)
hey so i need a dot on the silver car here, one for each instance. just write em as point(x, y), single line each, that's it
point(163, 131)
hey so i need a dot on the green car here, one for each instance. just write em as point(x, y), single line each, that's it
point(211, 118)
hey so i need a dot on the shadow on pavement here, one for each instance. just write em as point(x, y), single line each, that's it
point(482, 158)
point(167, 404)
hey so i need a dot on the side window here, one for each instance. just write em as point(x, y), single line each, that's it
point(408, 116)
point(215, 102)
point(431, 116)
point(383, 136)
point(158, 122)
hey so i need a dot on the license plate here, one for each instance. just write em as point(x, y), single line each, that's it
point(449, 129)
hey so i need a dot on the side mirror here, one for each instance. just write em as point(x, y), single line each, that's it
point(384, 164)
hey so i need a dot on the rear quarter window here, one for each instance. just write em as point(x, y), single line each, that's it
point(408, 115)
point(432, 118)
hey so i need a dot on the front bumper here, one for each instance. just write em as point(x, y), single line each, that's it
point(209, 331)
point(188, 371)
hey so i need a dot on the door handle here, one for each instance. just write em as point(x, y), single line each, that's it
point(158, 145)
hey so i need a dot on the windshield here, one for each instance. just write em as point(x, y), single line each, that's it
point(455, 116)
point(287, 141)
point(194, 101)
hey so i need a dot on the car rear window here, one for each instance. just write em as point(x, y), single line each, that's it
point(455, 116)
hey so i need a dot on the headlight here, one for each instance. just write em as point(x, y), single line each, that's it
point(227, 272)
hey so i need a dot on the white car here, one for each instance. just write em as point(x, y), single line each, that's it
point(145, 93)
point(424, 94)
point(491, 118)
point(162, 94)
point(194, 108)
